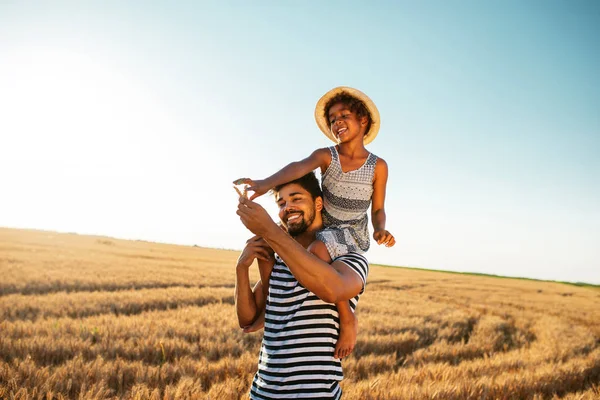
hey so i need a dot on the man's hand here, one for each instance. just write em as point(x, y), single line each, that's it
point(259, 187)
point(384, 237)
point(256, 248)
point(254, 217)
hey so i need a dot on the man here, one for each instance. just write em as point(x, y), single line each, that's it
point(301, 322)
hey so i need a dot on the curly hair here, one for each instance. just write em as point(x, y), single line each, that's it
point(355, 105)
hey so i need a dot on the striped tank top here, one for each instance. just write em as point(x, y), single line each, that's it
point(296, 356)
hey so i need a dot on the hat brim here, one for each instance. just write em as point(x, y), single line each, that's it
point(323, 123)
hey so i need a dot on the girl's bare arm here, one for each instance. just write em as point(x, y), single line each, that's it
point(378, 218)
point(320, 158)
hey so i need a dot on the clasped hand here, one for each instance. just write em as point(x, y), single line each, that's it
point(254, 217)
point(256, 248)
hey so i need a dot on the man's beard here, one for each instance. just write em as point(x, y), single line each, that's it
point(298, 228)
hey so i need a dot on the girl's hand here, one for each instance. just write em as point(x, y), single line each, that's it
point(384, 237)
point(259, 187)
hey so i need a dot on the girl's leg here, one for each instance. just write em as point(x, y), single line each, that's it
point(348, 330)
point(319, 249)
point(348, 321)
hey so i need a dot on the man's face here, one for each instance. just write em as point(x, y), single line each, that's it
point(296, 208)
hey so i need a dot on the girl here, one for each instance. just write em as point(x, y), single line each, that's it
point(352, 179)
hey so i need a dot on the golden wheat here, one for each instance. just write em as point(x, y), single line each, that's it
point(98, 318)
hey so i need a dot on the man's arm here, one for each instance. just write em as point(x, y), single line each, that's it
point(249, 302)
point(331, 283)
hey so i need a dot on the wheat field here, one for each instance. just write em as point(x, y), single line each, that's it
point(85, 317)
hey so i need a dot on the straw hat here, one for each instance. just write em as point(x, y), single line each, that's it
point(323, 122)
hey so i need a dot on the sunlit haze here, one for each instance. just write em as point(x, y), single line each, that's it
point(131, 119)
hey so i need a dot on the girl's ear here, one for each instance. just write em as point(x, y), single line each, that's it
point(364, 120)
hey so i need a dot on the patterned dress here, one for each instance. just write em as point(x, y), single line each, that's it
point(346, 198)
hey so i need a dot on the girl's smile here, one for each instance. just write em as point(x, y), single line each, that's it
point(341, 131)
point(345, 125)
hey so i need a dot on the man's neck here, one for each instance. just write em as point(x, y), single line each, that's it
point(307, 237)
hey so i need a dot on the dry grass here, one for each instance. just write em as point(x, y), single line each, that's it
point(97, 318)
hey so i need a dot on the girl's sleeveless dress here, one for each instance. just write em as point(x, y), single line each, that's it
point(346, 199)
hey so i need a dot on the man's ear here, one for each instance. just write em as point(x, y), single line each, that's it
point(319, 203)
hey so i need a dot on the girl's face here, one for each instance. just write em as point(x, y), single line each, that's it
point(345, 125)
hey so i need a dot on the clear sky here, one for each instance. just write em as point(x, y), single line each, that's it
point(131, 119)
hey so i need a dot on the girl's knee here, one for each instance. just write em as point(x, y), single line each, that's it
point(319, 249)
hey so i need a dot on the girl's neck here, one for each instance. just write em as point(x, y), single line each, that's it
point(352, 149)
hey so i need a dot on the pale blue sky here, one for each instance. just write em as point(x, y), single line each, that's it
point(132, 118)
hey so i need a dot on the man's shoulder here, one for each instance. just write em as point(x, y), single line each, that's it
point(353, 256)
point(357, 262)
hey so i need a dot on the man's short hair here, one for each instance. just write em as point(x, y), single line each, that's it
point(308, 182)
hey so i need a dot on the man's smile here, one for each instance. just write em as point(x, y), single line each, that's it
point(293, 216)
